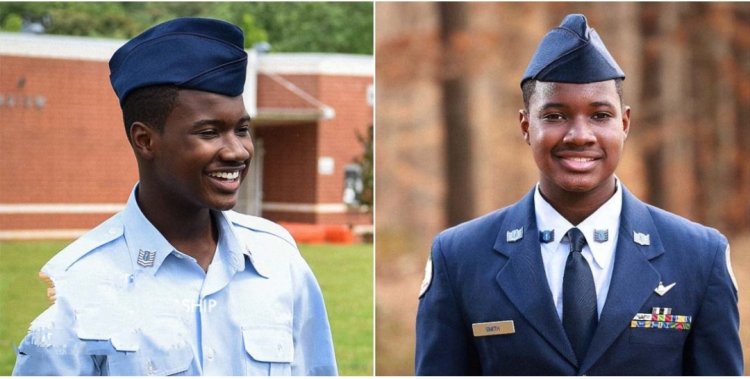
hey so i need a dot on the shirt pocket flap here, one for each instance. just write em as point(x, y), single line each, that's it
point(125, 342)
point(91, 333)
point(271, 343)
point(175, 362)
point(168, 362)
point(99, 339)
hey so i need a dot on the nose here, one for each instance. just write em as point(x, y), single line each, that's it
point(236, 149)
point(580, 133)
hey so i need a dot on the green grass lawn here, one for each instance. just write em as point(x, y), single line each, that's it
point(345, 276)
point(344, 273)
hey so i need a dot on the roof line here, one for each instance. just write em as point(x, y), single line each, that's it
point(101, 49)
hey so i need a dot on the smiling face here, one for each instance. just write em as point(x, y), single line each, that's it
point(577, 134)
point(204, 151)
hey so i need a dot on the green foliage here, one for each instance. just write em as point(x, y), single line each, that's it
point(253, 33)
point(288, 27)
point(344, 273)
point(13, 23)
point(312, 26)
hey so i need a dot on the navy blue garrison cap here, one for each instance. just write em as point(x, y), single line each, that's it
point(192, 53)
point(572, 53)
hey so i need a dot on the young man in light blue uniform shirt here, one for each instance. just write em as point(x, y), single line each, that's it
point(177, 283)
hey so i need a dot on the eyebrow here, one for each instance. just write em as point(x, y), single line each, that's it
point(200, 123)
point(561, 105)
point(602, 104)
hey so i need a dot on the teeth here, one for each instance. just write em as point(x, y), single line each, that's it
point(226, 175)
point(581, 159)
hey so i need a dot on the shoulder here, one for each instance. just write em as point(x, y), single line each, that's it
point(475, 233)
point(104, 234)
point(272, 247)
point(677, 230)
point(258, 225)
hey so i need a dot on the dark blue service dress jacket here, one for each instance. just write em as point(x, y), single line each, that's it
point(484, 272)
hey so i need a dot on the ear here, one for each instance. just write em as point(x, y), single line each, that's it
point(626, 121)
point(142, 138)
point(523, 118)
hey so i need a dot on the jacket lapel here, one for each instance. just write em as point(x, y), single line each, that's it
point(523, 279)
point(633, 277)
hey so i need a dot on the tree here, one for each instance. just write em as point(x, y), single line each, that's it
point(288, 27)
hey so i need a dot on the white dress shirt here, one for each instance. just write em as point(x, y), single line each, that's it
point(599, 255)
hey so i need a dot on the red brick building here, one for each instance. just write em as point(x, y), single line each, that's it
point(66, 165)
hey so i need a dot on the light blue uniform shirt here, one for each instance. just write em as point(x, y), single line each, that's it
point(129, 303)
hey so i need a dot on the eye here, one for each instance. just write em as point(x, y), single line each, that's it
point(602, 116)
point(207, 133)
point(243, 130)
point(553, 117)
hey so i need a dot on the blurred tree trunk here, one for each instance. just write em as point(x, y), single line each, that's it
point(740, 212)
point(677, 179)
point(722, 182)
point(648, 119)
point(460, 187)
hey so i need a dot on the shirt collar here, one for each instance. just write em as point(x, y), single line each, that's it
point(606, 217)
point(229, 244)
point(148, 248)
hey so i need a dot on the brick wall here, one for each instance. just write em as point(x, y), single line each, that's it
point(295, 149)
point(72, 149)
point(337, 137)
point(63, 142)
point(290, 163)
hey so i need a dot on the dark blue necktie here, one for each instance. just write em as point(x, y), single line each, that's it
point(579, 297)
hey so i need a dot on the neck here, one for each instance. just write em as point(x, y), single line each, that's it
point(577, 206)
point(190, 229)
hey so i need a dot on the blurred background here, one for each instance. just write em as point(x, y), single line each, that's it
point(449, 148)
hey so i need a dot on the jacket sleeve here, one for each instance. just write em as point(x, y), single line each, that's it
point(444, 345)
point(713, 347)
point(313, 344)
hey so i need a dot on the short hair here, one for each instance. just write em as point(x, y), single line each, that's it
point(149, 105)
point(528, 87)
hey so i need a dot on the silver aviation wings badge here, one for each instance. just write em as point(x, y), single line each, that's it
point(661, 290)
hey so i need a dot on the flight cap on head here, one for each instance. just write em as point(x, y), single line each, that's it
point(192, 53)
point(572, 53)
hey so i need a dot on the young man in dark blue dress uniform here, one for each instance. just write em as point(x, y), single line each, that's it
point(579, 277)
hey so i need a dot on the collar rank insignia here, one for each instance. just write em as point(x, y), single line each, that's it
point(661, 318)
point(601, 235)
point(661, 290)
point(146, 258)
point(642, 239)
point(514, 235)
point(547, 236)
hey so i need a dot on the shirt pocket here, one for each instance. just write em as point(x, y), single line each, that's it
point(125, 355)
point(270, 349)
point(176, 361)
